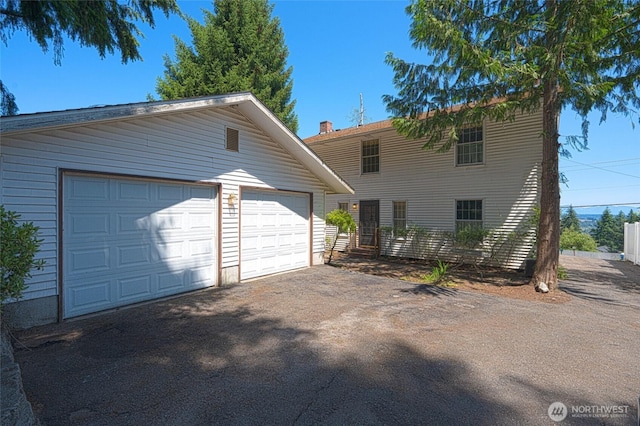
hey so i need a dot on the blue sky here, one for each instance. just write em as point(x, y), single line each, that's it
point(337, 51)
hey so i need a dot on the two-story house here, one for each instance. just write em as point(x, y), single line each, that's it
point(413, 203)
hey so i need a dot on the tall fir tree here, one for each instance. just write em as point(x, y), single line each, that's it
point(607, 231)
point(494, 59)
point(570, 220)
point(240, 47)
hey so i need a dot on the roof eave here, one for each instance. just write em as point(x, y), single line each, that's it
point(246, 102)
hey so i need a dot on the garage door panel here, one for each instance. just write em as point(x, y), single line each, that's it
point(136, 255)
point(274, 232)
point(134, 287)
point(86, 189)
point(170, 193)
point(146, 239)
point(96, 224)
point(171, 281)
point(134, 191)
point(89, 296)
point(89, 259)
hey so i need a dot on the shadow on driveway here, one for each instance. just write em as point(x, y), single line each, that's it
point(317, 346)
point(610, 281)
point(184, 362)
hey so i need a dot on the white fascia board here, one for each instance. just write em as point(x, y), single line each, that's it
point(57, 119)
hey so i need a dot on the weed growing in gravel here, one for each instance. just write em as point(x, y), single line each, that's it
point(438, 274)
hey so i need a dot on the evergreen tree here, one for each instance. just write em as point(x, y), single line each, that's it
point(107, 25)
point(240, 47)
point(633, 217)
point(570, 220)
point(607, 232)
point(494, 59)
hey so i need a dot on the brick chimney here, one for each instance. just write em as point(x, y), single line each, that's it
point(326, 127)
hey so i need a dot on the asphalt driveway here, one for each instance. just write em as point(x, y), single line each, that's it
point(327, 346)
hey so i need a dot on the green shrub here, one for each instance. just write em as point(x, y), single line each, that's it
point(343, 221)
point(18, 246)
point(570, 239)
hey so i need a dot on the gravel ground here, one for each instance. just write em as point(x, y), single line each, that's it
point(330, 346)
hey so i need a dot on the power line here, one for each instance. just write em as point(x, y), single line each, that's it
point(606, 162)
point(601, 187)
point(600, 205)
point(580, 168)
point(602, 168)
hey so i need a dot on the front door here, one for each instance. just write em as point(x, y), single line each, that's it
point(369, 221)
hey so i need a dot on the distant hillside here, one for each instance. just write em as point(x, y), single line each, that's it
point(588, 221)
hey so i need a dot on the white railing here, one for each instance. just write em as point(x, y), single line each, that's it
point(632, 242)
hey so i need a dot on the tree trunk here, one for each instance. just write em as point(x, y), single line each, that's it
point(546, 270)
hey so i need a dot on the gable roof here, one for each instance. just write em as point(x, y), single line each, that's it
point(254, 110)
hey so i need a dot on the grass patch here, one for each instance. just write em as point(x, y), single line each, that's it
point(562, 272)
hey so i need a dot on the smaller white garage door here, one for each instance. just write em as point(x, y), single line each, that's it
point(129, 240)
point(274, 232)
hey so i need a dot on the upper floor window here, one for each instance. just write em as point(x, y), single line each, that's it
point(232, 139)
point(399, 214)
point(470, 149)
point(371, 156)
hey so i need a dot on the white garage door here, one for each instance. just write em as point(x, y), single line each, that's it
point(275, 232)
point(128, 241)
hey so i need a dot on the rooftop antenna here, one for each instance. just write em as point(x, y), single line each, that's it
point(357, 115)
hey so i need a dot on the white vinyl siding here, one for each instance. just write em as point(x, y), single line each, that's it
point(430, 182)
point(188, 146)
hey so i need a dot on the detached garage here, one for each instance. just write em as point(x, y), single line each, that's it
point(140, 201)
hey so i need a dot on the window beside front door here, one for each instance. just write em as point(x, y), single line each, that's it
point(399, 215)
point(370, 156)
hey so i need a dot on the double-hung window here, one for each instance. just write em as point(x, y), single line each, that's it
point(399, 215)
point(470, 146)
point(468, 214)
point(343, 206)
point(370, 156)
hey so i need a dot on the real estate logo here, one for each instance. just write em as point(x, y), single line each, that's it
point(557, 411)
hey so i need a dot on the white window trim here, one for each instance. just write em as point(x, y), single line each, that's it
point(455, 210)
point(484, 147)
point(393, 213)
point(362, 141)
